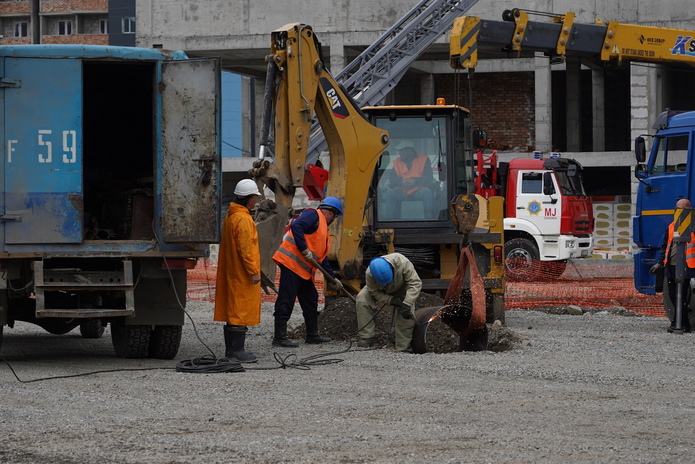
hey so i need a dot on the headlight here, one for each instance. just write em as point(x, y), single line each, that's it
point(571, 244)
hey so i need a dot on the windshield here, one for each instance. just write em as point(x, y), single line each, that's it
point(411, 177)
point(570, 185)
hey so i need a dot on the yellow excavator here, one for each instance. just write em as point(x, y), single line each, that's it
point(431, 232)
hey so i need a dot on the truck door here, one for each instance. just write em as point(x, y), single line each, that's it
point(534, 205)
point(43, 151)
point(190, 162)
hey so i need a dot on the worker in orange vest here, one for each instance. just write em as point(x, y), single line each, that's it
point(666, 261)
point(307, 240)
point(410, 179)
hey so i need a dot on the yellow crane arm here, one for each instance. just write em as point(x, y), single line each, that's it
point(565, 37)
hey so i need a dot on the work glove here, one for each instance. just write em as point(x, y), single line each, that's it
point(406, 312)
point(309, 255)
point(337, 285)
point(655, 268)
point(396, 301)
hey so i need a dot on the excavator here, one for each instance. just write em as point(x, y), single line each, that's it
point(434, 232)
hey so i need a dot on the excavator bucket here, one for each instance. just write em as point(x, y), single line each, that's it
point(464, 310)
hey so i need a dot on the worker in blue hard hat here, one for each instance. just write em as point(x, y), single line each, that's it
point(305, 243)
point(390, 280)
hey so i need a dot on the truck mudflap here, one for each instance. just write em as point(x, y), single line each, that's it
point(464, 312)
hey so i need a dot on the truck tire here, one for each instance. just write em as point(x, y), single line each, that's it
point(521, 260)
point(130, 341)
point(165, 341)
point(92, 328)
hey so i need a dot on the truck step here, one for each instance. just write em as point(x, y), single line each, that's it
point(52, 285)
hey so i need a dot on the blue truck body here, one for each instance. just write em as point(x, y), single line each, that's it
point(666, 176)
point(111, 180)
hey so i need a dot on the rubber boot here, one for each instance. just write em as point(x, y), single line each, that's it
point(235, 347)
point(280, 338)
point(312, 332)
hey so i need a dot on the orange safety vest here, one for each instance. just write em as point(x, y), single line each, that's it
point(318, 242)
point(689, 248)
point(417, 170)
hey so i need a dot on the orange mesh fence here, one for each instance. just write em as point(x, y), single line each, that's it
point(588, 283)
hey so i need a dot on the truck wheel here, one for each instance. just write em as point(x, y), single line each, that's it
point(521, 260)
point(165, 341)
point(92, 328)
point(130, 341)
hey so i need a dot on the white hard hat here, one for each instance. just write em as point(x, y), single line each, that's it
point(245, 188)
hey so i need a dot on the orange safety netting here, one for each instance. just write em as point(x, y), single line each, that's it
point(589, 283)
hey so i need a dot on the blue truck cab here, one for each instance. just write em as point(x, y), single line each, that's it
point(664, 177)
point(111, 180)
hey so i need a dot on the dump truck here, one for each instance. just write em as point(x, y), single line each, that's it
point(111, 189)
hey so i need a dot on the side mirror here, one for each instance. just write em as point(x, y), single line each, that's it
point(641, 171)
point(640, 150)
point(479, 139)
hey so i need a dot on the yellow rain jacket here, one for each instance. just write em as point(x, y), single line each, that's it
point(237, 300)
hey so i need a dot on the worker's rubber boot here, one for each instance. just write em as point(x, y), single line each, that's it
point(236, 334)
point(312, 332)
point(280, 338)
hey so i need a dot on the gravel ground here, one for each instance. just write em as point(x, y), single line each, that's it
point(592, 388)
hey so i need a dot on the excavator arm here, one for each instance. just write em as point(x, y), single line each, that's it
point(564, 37)
point(298, 87)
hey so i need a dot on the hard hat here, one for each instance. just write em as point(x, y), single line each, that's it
point(332, 203)
point(381, 271)
point(245, 188)
point(405, 144)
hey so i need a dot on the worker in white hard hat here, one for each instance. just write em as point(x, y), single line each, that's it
point(238, 292)
point(390, 280)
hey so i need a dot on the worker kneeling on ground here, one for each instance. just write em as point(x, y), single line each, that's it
point(390, 280)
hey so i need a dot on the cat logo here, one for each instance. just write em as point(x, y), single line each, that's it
point(337, 105)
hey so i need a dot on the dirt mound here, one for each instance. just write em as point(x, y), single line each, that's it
point(339, 321)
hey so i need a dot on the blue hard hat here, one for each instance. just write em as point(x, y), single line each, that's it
point(381, 271)
point(332, 203)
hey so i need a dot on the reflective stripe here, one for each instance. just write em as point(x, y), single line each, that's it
point(294, 258)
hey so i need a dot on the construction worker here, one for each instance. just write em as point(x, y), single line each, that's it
point(666, 260)
point(410, 179)
point(390, 280)
point(307, 242)
point(238, 292)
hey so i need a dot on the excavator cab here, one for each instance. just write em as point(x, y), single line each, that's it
point(427, 164)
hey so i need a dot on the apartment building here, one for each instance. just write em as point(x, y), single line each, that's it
point(90, 22)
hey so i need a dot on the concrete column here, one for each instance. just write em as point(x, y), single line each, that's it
point(427, 96)
point(598, 107)
point(337, 58)
point(544, 104)
point(643, 100)
point(573, 88)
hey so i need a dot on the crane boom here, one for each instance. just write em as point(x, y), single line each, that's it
point(564, 37)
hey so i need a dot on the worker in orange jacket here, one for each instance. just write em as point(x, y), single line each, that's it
point(238, 291)
point(666, 260)
point(307, 240)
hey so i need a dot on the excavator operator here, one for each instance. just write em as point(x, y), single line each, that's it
point(409, 179)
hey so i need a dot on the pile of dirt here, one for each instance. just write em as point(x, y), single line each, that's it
point(339, 321)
